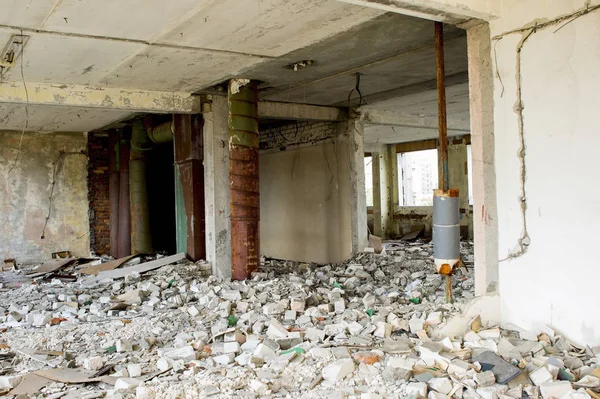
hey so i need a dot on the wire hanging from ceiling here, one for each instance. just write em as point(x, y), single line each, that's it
point(26, 123)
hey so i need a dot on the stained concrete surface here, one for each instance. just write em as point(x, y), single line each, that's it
point(25, 195)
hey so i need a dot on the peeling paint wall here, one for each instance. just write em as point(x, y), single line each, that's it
point(25, 193)
point(305, 209)
point(546, 191)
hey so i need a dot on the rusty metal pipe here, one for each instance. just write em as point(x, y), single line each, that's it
point(162, 133)
point(244, 179)
point(113, 191)
point(441, 101)
point(124, 246)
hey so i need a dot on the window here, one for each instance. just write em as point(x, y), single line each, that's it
point(417, 177)
point(470, 172)
point(369, 179)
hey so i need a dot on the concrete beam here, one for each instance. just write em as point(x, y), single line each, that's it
point(391, 118)
point(448, 11)
point(94, 97)
point(295, 111)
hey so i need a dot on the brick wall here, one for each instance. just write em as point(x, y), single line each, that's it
point(98, 193)
point(294, 134)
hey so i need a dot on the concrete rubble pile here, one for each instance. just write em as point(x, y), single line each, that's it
point(361, 329)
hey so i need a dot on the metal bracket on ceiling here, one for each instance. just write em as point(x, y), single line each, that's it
point(12, 51)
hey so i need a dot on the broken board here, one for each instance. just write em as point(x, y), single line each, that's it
point(30, 384)
point(141, 268)
point(503, 370)
point(114, 264)
point(413, 235)
point(51, 266)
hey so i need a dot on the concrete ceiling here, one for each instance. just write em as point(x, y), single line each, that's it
point(191, 45)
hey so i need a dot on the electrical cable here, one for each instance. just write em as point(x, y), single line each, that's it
point(26, 124)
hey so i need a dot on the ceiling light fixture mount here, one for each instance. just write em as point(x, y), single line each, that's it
point(296, 66)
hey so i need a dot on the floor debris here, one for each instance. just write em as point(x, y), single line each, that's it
point(361, 329)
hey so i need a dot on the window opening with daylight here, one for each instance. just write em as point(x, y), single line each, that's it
point(417, 177)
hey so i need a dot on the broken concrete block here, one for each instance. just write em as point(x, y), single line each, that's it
point(134, 370)
point(485, 379)
point(40, 320)
point(384, 330)
point(297, 304)
point(415, 325)
point(126, 384)
point(273, 309)
point(290, 315)
point(370, 396)
point(231, 347)
point(315, 334)
point(416, 390)
point(10, 381)
point(433, 319)
point(163, 364)
point(144, 392)
point(186, 353)
point(540, 376)
point(276, 330)
point(93, 363)
point(264, 352)
point(338, 370)
point(224, 359)
point(123, 345)
point(441, 385)
point(555, 389)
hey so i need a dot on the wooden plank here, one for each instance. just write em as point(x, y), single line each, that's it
point(141, 268)
point(52, 266)
point(114, 264)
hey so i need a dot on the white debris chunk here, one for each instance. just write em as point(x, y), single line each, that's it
point(338, 370)
point(126, 384)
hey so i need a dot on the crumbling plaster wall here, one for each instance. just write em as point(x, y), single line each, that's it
point(546, 96)
point(25, 195)
point(305, 211)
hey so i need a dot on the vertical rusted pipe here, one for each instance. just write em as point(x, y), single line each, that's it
point(124, 247)
point(441, 101)
point(141, 240)
point(113, 190)
point(244, 180)
point(442, 242)
point(189, 185)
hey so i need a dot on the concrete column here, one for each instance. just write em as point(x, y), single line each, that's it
point(383, 174)
point(124, 247)
point(189, 186)
point(351, 142)
point(485, 222)
point(459, 178)
point(376, 170)
point(113, 190)
point(243, 177)
point(215, 113)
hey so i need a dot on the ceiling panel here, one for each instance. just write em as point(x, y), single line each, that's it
point(410, 68)
point(54, 118)
point(72, 60)
point(26, 13)
point(267, 27)
point(400, 134)
point(131, 19)
point(172, 69)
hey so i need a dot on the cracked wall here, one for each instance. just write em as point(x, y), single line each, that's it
point(546, 96)
point(25, 195)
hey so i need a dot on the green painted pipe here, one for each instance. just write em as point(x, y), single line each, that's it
point(162, 133)
point(141, 240)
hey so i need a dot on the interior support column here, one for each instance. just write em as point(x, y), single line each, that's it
point(113, 191)
point(124, 247)
point(354, 136)
point(244, 179)
point(215, 112)
point(376, 173)
point(385, 181)
point(189, 186)
point(141, 240)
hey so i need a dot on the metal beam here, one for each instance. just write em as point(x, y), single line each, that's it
point(95, 97)
point(446, 11)
point(390, 118)
point(295, 111)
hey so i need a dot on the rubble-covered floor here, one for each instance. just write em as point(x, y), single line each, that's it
point(361, 329)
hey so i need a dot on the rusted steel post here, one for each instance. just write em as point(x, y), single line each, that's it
point(124, 247)
point(113, 190)
point(441, 100)
point(446, 239)
point(189, 186)
point(141, 240)
point(244, 180)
